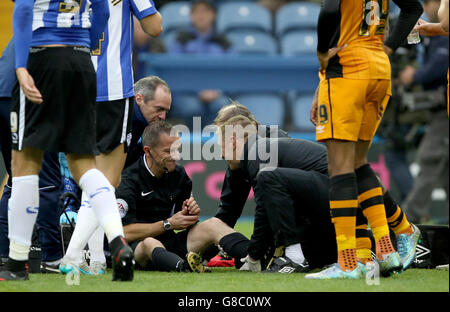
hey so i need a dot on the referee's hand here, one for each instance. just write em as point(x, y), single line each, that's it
point(181, 220)
point(191, 206)
point(27, 85)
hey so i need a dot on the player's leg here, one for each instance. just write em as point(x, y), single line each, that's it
point(49, 213)
point(103, 202)
point(23, 210)
point(215, 231)
point(153, 250)
point(110, 165)
point(363, 242)
point(370, 193)
point(343, 200)
point(114, 121)
point(286, 196)
point(341, 109)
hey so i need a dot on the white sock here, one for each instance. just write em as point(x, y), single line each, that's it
point(96, 246)
point(86, 224)
point(103, 201)
point(295, 253)
point(22, 214)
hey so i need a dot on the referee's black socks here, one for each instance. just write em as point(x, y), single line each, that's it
point(165, 260)
point(236, 246)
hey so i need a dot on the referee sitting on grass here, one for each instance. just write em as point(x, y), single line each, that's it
point(155, 199)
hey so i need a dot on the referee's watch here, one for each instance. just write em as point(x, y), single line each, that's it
point(167, 225)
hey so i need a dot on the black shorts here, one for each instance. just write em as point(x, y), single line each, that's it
point(65, 121)
point(175, 242)
point(114, 122)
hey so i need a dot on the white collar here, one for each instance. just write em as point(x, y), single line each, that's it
point(146, 166)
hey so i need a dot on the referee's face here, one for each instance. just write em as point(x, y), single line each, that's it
point(167, 153)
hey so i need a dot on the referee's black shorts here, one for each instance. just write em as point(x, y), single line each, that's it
point(114, 122)
point(175, 242)
point(65, 121)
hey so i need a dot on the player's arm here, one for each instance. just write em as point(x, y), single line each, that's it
point(137, 231)
point(435, 29)
point(262, 236)
point(235, 191)
point(99, 21)
point(430, 29)
point(443, 15)
point(149, 18)
point(179, 221)
point(327, 24)
point(152, 24)
point(410, 11)
point(23, 33)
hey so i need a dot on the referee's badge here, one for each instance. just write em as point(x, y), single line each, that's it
point(14, 121)
point(123, 207)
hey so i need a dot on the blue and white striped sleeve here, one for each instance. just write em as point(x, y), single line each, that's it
point(99, 21)
point(143, 8)
point(23, 31)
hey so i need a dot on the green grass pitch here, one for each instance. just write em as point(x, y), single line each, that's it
point(231, 280)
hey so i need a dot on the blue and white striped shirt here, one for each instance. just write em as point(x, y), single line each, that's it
point(46, 22)
point(113, 59)
point(61, 22)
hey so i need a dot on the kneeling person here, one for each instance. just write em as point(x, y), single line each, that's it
point(155, 199)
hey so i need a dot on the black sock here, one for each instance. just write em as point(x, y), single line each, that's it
point(210, 252)
point(15, 265)
point(165, 260)
point(235, 245)
point(116, 244)
point(389, 204)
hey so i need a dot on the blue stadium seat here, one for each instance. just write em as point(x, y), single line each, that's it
point(253, 42)
point(176, 15)
point(168, 38)
point(297, 16)
point(300, 42)
point(301, 111)
point(243, 15)
point(267, 108)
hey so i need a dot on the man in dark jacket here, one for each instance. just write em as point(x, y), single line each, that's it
point(155, 198)
point(291, 197)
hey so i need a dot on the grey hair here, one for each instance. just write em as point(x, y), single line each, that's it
point(147, 87)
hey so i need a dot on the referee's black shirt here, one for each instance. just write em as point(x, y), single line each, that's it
point(144, 198)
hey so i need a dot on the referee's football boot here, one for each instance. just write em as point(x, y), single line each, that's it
point(334, 271)
point(14, 271)
point(122, 260)
point(406, 246)
point(285, 265)
point(195, 263)
point(391, 263)
point(67, 266)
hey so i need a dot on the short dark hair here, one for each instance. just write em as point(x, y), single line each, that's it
point(147, 87)
point(152, 133)
point(232, 110)
point(208, 3)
